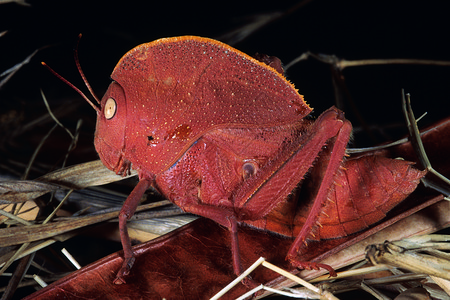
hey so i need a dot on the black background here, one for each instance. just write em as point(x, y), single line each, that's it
point(348, 29)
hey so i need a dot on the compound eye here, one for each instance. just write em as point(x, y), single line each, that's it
point(110, 108)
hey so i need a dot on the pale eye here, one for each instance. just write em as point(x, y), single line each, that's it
point(110, 108)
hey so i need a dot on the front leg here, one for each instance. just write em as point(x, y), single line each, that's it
point(199, 188)
point(226, 218)
point(127, 211)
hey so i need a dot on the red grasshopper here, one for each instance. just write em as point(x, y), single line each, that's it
point(227, 137)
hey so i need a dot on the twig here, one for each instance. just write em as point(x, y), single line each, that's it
point(343, 63)
point(36, 151)
point(15, 218)
point(420, 150)
point(261, 261)
point(238, 279)
point(11, 71)
point(53, 116)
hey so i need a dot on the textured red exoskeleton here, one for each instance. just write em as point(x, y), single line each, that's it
point(225, 136)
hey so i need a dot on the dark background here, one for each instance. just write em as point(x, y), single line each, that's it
point(350, 30)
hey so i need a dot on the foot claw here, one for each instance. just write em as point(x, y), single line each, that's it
point(249, 282)
point(313, 266)
point(124, 271)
